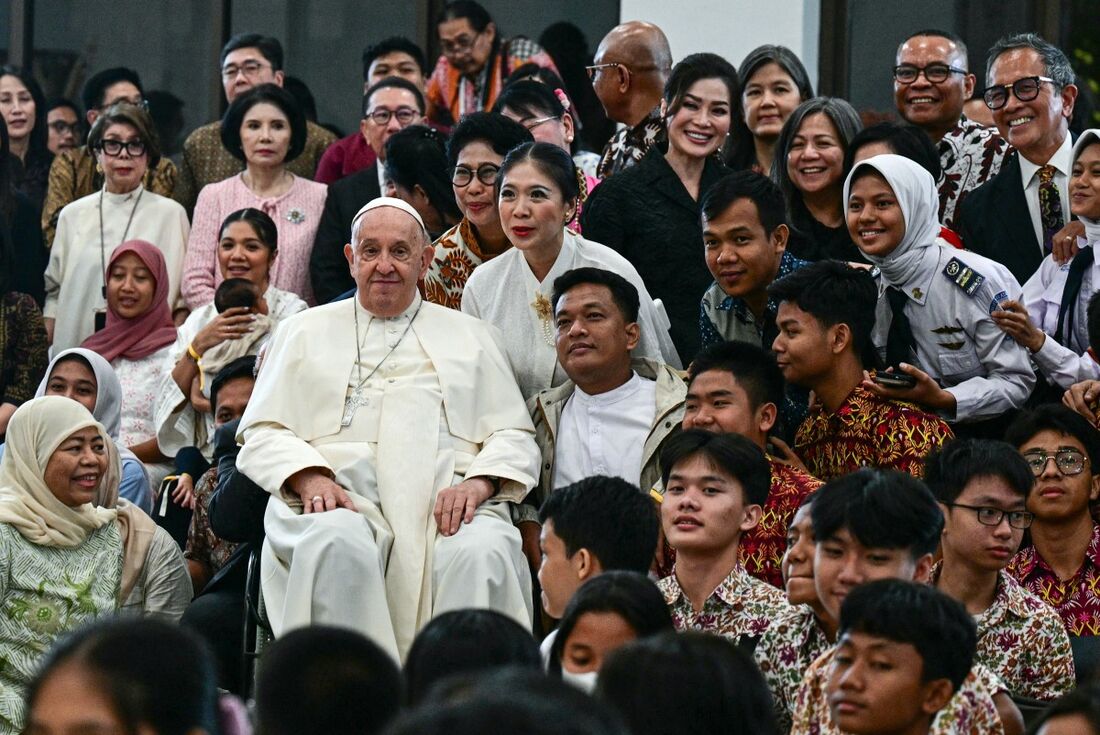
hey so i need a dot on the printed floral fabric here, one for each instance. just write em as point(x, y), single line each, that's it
point(1022, 640)
point(868, 431)
point(739, 607)
point(1050, 206)
point(203, 545)
point(630, 145)
point(970, 712)
point(456, 255)
point(791, 643)
point(23, 347)
point(762, 547)
point(970, 155)
point(1077, 599)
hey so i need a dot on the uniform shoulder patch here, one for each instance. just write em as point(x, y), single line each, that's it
point(963, 276)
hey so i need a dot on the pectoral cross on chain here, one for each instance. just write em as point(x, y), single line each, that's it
point(352, 404)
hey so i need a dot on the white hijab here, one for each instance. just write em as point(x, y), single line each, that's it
point(1092, 226)
point(915, 191)
point(108, 400)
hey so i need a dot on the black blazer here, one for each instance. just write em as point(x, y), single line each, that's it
point(994, 221)
point(328, 268)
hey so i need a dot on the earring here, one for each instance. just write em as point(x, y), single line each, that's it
point(98, 167)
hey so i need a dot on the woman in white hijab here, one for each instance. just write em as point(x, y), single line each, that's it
point(933, 320)
point(69, 549)
point(1052, 320)
point(90, 380)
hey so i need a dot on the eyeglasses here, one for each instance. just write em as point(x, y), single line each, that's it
point(486, 173)
point(993, 516)
point(461, 45)
point(532, 124)
point(249, 68)
point(61, 127)
point(597, 68)
point(1025, 89)
point(382, 116)
point(934, 73)
point(1068, 461)
point(113, 147)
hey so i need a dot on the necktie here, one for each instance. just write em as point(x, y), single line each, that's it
point(1070, 291)
point(1050, 206)
point(900, 342)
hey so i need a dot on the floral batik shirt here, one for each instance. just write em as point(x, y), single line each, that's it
point(740, 607)
point(456, 255)
point(970, 712)
point(203, 545)
point(1022, 640)
point(763, 545)
point(868, 431)
point(1077, 599)
point(970, 155)
point(629, 145)
point(791, 643)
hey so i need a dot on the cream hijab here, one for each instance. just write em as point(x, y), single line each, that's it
point(920, 205)
point(1092, 226)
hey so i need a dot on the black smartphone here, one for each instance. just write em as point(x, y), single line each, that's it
point(895, 380)
point(100, 320)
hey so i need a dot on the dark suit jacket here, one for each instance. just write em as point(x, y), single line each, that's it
point(328, 268)
point(993, 221)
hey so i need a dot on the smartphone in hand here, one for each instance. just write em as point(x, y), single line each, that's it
point(895, 380)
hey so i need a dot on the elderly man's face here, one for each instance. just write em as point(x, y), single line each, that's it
point(1036, 127)
point(465, 48)
point(390, 254)
point(934, 106)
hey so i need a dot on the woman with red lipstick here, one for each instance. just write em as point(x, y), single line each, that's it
point(23, 108)
point(124, 143)
point(264, 128)
point(538, 191)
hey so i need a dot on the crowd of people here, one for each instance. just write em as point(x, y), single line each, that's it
point(670, 399)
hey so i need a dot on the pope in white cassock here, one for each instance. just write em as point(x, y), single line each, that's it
point(394, 440)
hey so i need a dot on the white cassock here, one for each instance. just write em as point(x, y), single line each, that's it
point(443, 405)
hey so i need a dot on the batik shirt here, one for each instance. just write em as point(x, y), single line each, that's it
point(791, 643)
point(762, 546)
point(739, 607)
point(203, 545)
point(1077, 599)
point(456, 255)
point(868, 431)
point(1022, 640)
point(970, 155)
point(629, 145)
point(970, 712)
point(725, 318)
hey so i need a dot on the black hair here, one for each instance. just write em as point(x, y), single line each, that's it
point(7, 204)
point(531, 98)
point(532, 72)
point(883, 509)
point(299, 90)
point(497, 131)
point(55, 102)
point(696, 67)
point(732, 454)
point(623, 292)
point(948, 470)
point(464, 642)
point(94, 93)
point(260, 222)
point(938, 626)
point(938, 33)
point(417, 156)
point(393, 44)
point(150, 672)
point(752, 366)
point(630, 595)
point(270, 94)
point(235, 292)
point(687, 683)
point(394, 83)
point(1061, 419)
point(1092, 316)
point(551, 161)
point(743, 155)
point(469, 9)
point(242, 367)
point(904, 139)
point(269, 48)
point(610, 517)
point(833, 292)
point(38, 152)
point(323, 680)
point(771, 208)
point(1084, 701)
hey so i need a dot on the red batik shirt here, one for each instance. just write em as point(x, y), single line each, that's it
point(1076, 599)
point(762, 547)
point(868, 431)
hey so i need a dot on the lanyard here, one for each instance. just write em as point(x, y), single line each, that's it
point(102, 255)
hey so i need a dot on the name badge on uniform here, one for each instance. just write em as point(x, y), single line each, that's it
point(965, 277)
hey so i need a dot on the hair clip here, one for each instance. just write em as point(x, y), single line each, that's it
point(563, 98)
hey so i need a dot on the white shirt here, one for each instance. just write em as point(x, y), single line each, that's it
point(605, 434)
point(1043, 297)
point(1062, 161)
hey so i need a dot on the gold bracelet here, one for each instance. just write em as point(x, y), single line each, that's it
point(194, 355)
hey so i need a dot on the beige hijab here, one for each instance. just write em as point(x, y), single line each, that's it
point(36, 430)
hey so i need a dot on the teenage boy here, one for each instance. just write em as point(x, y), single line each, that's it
point(715, 485)
point(736, 387)
point(826, 315)
point(881, 524)
point(904, 650)
point(1062, 564)
point(982, 487)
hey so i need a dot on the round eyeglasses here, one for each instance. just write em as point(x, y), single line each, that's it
point(1025, 90)
point(486, 173)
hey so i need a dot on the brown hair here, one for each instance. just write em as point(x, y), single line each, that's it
point(123, 113)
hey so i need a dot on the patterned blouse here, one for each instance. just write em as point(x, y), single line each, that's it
point(762, 547)
point(630, 145)
point(868, 431)
point(23, 348)
point(970, 155)
point(791, 643)
point(203, 545)
point(970, 712)
point(739, 607)
point(456, 255)
point(1022, 640)
point(1076, 599)
point(728, 318)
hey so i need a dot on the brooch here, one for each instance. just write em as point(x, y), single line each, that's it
point(296, 216)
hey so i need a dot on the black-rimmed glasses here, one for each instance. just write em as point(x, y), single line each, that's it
point(382, 116)
point(1025, 90)
point(486, 173)
point(934, 73)
point(113, 147)
point(993, 516)
point(1068, 461)
point(249, 68)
